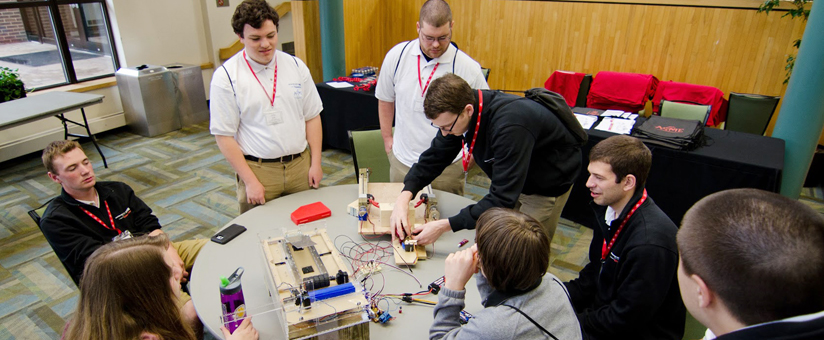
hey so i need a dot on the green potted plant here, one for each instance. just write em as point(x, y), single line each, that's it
point(11, 87)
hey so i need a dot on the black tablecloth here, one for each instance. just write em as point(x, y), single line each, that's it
point(678, 179)
point(343, 110)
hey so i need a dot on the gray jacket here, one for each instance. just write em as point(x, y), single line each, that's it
point(547, 304)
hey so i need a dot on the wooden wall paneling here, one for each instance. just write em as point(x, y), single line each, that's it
point(523, 42)
point(306, 27)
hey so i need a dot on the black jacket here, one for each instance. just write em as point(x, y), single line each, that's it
point(812, 329)
point(521, 146)
point(634, 294)
point(74, 235)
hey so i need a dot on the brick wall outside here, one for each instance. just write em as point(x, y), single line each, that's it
point(11, 26)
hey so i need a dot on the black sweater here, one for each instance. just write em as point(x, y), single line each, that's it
point(634, 294)
point(522, 146)
point(812, 329)
point(74, 235)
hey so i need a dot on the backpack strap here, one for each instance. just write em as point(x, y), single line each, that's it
point(455, 56)
point(399, 62)
point(233, 86)
point(531, 320)
point(556, 104)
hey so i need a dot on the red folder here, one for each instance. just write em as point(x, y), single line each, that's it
point(310, 212)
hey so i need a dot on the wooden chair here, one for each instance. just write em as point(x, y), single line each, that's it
point(689, 111)
point(750, 113)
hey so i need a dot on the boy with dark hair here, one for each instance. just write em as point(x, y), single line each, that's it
point(530, 156)
point(521, 299)
point(628, 289)
point(752, 266)
point(265, 112)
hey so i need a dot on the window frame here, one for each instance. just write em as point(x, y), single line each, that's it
point(62, 40)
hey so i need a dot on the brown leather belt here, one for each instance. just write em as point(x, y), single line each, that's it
point(284, 159)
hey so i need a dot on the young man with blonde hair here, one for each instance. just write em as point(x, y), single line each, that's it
point(89, 214)
point(521, 300)
point(405, 76)
point(752, 266)
point(628, 290)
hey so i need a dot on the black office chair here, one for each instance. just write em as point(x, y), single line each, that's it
point(583, 91)
point(485, 71)
point(37, 212)
point(35, 215)
point(750, 113)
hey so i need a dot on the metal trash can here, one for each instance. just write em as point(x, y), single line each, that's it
point(189, 93)
point(147, 93)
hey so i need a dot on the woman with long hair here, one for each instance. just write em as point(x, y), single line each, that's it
point(129, 291)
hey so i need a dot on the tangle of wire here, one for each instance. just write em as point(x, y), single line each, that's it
point(364, 258)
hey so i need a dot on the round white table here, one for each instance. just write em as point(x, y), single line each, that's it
point(267, 221)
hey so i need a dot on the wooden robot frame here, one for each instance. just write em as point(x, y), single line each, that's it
point(309, 279)
point(374, 207)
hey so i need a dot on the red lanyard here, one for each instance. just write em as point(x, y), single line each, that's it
point(464, 157)
point(420, 81)
point(274, 84)
point(111, 219)
point(606, 249)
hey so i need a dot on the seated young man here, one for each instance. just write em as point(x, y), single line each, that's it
point(521, 300)
point(89, 214)
point(628, 289)
point(752, 266)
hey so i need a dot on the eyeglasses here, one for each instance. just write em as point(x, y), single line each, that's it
point(450, 128)
point(441, 39)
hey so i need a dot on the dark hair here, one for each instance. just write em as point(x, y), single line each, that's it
point(448, 93)
point(626, 155)
point(436, 13)
point(513, 249)
point(56, 149)
point(254, 13)
point(760, 252)
point(125, 291)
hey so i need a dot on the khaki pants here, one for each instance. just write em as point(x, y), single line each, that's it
point(546, 210)
point(188, 251)
point(450, 180)
point(278, 179)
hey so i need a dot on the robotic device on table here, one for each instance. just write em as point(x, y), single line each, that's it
point(308, 278)
point(373, 209)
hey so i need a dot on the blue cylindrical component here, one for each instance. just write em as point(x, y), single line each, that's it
point(330, 292)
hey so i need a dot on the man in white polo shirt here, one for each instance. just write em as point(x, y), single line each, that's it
point(406, 72)
point(265, 109)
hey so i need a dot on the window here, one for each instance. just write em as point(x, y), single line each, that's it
point(56, 42)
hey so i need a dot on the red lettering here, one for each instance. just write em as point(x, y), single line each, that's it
point(671, 129)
